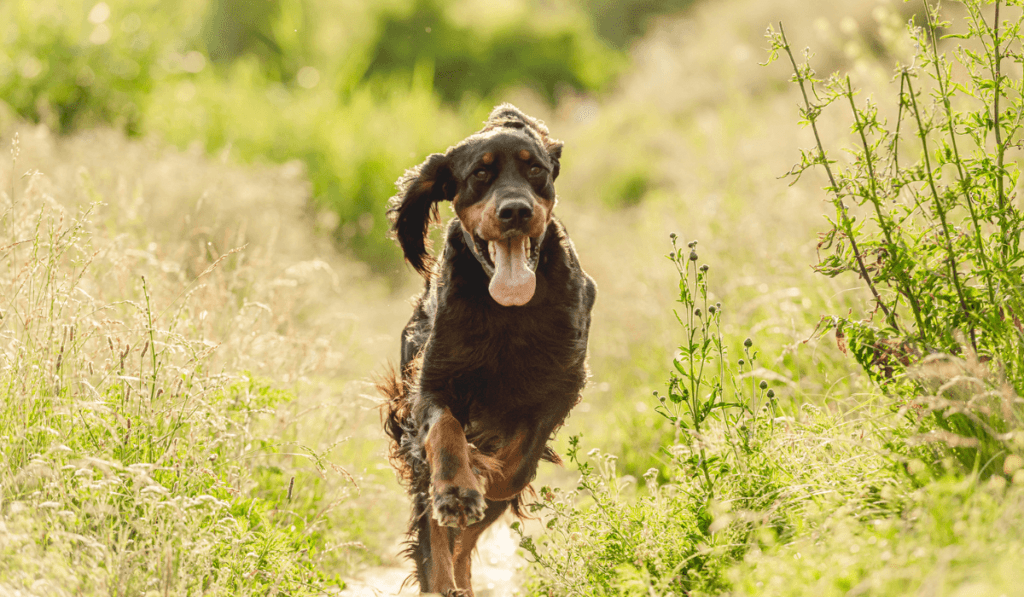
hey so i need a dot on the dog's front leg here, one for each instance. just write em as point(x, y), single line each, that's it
point(455, 492)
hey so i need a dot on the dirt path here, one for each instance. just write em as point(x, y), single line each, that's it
point(496, 570)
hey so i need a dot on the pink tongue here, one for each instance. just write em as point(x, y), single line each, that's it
point(513, 283)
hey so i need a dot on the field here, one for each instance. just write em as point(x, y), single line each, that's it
point(196, 292)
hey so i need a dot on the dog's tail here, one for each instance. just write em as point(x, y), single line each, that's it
point(395, 415)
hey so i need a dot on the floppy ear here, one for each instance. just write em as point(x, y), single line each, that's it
point(415, 206)
point(554, 147)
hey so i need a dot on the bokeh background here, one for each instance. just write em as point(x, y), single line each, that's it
point(282, 125)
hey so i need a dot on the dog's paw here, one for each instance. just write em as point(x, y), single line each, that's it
point(458, 506)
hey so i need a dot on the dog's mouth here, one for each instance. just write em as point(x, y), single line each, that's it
point(511, 263)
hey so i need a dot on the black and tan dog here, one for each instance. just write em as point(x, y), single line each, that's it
point(494, 356)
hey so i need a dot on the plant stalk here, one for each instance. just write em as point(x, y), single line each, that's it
point(946, 234)
point(844, 216)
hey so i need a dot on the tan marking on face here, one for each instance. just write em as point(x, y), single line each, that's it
point(524, 155)
point(426, 185)
point(488, 158)
point(542, 213)
point(480, 219)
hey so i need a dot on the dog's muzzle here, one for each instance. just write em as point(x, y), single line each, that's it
point(510, 263)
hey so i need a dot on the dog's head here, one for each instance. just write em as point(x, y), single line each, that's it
point(501, 181)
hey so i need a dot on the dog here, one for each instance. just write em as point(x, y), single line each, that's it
point(495, 354)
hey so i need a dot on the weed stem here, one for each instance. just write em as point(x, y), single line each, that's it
point(966, 183)
point(843, 213)
point(903, 281)
point(947, 234)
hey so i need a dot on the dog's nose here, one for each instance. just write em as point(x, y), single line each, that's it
point(514, 213)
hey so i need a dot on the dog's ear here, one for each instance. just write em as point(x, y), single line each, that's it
point(554, 147)
point(415, 206)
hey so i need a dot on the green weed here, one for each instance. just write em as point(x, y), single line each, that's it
point(895, 491)
point(938, 239)
point(674, 537)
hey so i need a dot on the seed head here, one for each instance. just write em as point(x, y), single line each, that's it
point(712, 309)
point(691, 244)
point(672, 255)
point(763, 384)
point(771, 393)
point(748, 343)
point(704, 268)
point(672, 235)
point(693, 255)
point(742, 362)
point(697, 312)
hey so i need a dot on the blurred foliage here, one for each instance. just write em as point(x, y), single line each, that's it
point(73, 66)
point(627, 185)
point(356, 92)
point(564, 53)
point(622, 21)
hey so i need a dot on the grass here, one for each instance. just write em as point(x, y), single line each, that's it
point(170, 415)
point(262, 470)
point(897, 488)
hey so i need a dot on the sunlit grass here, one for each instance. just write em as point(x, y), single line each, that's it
point(263, 468)
point(182, 406)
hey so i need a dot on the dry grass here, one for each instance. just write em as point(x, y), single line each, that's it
point(147, 295)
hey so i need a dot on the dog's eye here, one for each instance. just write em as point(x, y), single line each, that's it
point(536, 171)
point(481, 174)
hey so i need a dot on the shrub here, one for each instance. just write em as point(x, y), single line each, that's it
point(562, 54)
point(623, 21)
point(937, 242)
point(75, 66)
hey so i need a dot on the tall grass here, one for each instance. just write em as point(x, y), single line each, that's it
point(906, 488)
point(141, 381)
point(738, 478)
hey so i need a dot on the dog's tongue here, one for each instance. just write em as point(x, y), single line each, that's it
point(513, 283)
